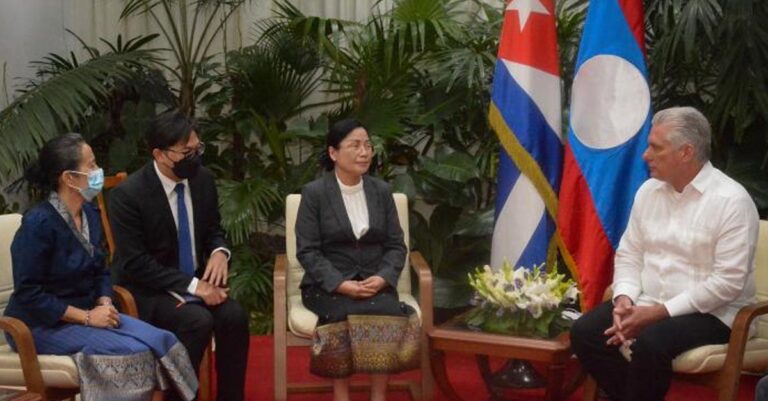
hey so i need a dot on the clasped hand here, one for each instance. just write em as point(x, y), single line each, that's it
point(362, 289)
point(211, 287)
point(104, 316)
point(629, 320)
point(211, 294)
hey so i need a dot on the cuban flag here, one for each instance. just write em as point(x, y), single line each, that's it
point(610, 117)
point(525, 113)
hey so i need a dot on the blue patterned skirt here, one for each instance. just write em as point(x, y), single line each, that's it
point(123, 364)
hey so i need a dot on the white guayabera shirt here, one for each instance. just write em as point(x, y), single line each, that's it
point(692, 251)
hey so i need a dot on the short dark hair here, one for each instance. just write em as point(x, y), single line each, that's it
point(58, 155)
point(336, 133)
point(170, 128)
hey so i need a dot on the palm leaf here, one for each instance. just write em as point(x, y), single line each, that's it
point(243, 204)
point(318, 33)
point(422, 23)
point(57, 104)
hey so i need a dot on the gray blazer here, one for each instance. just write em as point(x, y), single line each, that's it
point(326, 246)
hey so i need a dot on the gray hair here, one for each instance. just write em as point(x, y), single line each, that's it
point(688, 126)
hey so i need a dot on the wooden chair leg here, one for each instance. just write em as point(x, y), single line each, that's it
point(205, 392)
point(728, 393)
point(427, 381)
point(280, 325)
point(281, 368)
point(590, 389)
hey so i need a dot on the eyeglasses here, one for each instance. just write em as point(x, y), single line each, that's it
point(198, 151)
point(357, 146)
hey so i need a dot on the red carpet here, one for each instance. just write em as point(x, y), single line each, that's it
point(462, 370)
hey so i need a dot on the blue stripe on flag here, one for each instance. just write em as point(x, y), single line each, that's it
point(611, 35)
point(506, 178)
point(528, 124)
point(623, 164)
point(538, 244)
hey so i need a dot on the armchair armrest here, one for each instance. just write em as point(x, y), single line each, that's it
point(738, 341)
point(25, 346)
point(424, 273)
point(125, 300)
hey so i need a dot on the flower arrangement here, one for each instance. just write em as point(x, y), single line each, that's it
point(526, 302)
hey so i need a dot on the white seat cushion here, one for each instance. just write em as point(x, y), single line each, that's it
point(58, 370)
point(302, 321)
point(710, 358)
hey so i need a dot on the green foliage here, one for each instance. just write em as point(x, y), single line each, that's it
point(60, 102)
point(418, 77)
point(711, 54)
point(244, 204)
point(250, 283)
point(518, 323)
point(190, 29)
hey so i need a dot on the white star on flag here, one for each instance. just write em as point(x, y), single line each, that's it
point(524, 9)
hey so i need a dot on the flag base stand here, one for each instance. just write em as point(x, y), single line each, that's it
point(516, 374)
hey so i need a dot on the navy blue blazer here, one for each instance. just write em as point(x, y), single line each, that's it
point(326, 245)
point(52, 270)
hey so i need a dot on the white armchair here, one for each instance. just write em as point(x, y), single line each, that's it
point(54, 377)
point(294, 323)
point(720, 366)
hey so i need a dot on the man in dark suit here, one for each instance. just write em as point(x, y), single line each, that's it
point(171, 251)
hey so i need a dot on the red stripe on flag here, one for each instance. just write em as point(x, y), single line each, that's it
point(536, 44)
point(583, 234)
point(633, 12)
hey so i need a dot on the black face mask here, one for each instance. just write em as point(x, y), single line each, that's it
point(187, 167)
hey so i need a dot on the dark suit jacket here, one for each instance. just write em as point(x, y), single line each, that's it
point(326, 245)
point(52, 269)
point(146, 259)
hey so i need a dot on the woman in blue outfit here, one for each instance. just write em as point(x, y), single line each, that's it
point(62, 287)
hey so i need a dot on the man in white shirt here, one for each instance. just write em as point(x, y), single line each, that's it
point(683, 268)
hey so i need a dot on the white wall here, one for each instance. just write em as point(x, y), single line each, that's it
point(30, 29)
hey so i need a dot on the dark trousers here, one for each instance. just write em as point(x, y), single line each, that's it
point(193, 324)
point(333, 307)
point(648, 375)
point(761, 390)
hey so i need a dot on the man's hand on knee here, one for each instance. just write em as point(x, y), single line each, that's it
point(622, 305)
point(211, 294)
point(638, 318)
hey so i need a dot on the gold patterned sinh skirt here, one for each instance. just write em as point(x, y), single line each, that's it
point(366, 344)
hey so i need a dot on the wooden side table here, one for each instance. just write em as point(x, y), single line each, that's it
point(451, 337)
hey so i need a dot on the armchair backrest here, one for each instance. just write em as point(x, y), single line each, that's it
point(109, 182)
point(9, 224)
point(761, 275)
point(296, 272)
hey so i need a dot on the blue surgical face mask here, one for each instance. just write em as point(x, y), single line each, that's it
point(95, 184)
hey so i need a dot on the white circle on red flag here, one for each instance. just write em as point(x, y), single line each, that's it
point(609, 102)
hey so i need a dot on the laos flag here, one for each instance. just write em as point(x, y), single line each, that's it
point(525, 113)
point(610, 117)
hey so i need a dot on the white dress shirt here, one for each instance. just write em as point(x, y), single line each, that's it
point(692, 251)
point(357, 208)
point(169, 186)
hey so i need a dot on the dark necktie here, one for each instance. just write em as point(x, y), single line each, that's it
point(186, 263)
